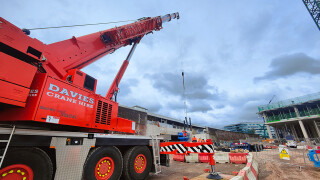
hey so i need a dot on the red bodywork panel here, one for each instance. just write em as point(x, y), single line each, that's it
point(55, 101)
point(15, 80)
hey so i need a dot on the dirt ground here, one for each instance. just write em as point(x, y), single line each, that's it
point(179, 169)
point(272, 167)
point(274, 170)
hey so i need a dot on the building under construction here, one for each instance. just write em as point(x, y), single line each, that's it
point(298, 116)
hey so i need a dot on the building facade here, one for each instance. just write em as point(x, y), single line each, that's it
point(250, 128)
point(299, 117)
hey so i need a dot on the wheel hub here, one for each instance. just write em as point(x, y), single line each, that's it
point(16, 171)
point(140, 163)
point(104, 168)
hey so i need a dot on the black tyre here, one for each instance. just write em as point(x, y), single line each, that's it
point(137, 163)
point(27, 161)
point(103, 163)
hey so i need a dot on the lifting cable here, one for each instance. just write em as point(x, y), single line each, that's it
point(183, 84)
point(76, 25)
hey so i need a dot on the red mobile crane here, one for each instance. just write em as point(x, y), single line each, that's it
point(44, 83)
point(62, 129)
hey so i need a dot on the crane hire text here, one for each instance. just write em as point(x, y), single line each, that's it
point(70, 96)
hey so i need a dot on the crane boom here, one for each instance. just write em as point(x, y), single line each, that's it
point(313, 7)
point(79, 52)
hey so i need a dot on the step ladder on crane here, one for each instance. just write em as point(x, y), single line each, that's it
point(7, 145)
point(156, 153)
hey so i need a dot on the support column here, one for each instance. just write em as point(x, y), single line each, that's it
point(296, 111)
point(276, 132)
point(294, 131)
point(303, 130)
point(269, 131)
point(265, 122)
point(317, 128)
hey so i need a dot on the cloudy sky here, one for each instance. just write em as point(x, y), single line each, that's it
point(236, 54)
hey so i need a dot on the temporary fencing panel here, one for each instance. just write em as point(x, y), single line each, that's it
point(192, 158)
point(238, 158)
point(297, 156)
point(221, 157)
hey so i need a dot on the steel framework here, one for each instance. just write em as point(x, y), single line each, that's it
point(313, 7)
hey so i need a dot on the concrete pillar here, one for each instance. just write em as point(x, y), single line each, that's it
point(303, 130)
point(296, 111)
point(293, 130)
point(316, 127)
point(276, 132)
point(265, 122)
point(269, 131)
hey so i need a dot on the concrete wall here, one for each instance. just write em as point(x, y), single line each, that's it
point(222, 135)
point(201, 136)
point(152, 130)
point(138, 116)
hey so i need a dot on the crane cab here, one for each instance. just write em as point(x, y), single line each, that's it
point(81, 79)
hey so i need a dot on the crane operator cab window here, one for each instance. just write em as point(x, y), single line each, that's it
point(81, 79)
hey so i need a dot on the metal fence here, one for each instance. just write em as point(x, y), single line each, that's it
point(297, 155)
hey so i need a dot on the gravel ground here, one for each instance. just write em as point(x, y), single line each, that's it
point(179, 169)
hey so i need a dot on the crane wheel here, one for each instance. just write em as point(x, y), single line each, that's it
point(26, 163)
point(137, 163)
point(103, 163)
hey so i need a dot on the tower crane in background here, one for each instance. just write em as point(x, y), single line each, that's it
point(313, 7)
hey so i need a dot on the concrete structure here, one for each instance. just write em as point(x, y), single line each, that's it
point(154, 124)
point(246, 127)
point(148, 123)
point(298, 116)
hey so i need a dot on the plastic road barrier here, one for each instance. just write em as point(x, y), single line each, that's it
point(250, 172)
point(192, 158)
point(178, 157)
point(221, 157)
point(238, 158)
point(203, 158)
point(313, 156)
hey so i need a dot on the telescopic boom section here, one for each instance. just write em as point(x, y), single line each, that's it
point(113, 90)
point(77, 53)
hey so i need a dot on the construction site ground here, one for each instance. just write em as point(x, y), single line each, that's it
point(191, 170)
point(268, 169)
point(272, 167)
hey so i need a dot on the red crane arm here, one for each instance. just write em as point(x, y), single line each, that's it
point(78, 52)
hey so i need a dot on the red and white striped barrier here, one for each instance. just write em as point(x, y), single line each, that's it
point(250, 172)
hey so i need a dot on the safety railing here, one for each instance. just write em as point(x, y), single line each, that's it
point(287, 116)
point(290, 102)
